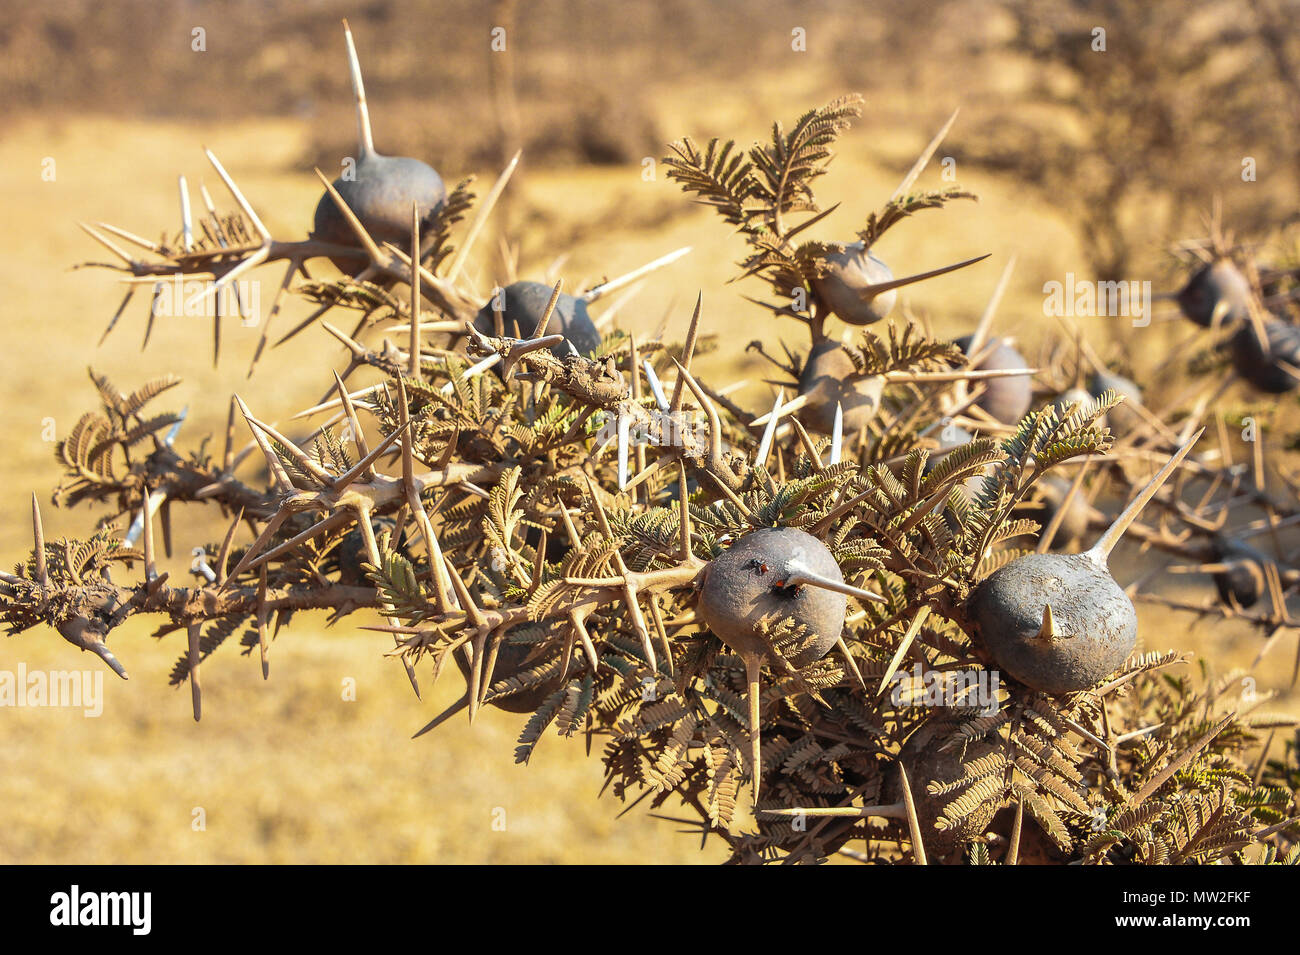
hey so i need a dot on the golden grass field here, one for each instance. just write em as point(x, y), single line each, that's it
point(288, 771)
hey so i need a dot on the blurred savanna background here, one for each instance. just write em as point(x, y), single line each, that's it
point(1091, 153)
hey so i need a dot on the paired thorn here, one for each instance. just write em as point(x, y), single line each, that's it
point(108, 244)
point(518, 348)
point(300, 457)
point(278, 473)
point(578, 621)
point(710, 410)
point(625, 579)
point(363, 466)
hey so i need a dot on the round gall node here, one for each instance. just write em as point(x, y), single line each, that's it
point(747, 583)
point(1006, 399)
point(380, 192)
point(1088, 634)
point(829, 377)
point(525, 303)
point(845, 288)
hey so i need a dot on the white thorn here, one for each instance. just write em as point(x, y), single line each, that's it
point(137, 526)
point(187, 223)
point(656, 387)
point(175, 429)
point(624, 423)
point(593, 294)
point(798, 574)
point(790, 407)
point(765, 445)
point(837, 433)
point(200, 565)
point(473, 370)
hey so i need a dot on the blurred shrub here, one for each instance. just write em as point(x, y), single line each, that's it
point(1135, 141)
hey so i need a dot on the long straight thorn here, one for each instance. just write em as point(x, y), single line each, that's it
point(107, 243)
point(688, 353)
point(800, 575)
point(986, 319)
point(656, 387)
point(765, 445)
point(684, 516)
point(545, 320)
point(362, 466)
point(300, 457)
point(244, 204)
point(1100, 551)
point(592, 294)
point(413, 368)
point(129, 236)
point(913, 823)
point(589, 648)
point(272, 525)
point(38, 537)
point(872, 291)
point(837, 434)
point(924, 159)
point(365, 139)
point(624, 426)
point(481, 216)
point(187, 222)
point(196, 690)
point(261, 623)
point(710, 410)
point(363, 236)
point(223, 555)
point(354, 423)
